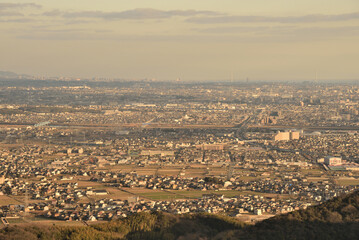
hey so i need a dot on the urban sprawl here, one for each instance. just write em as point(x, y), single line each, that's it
point(85, 151)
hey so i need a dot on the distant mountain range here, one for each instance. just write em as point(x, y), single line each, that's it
point(334, 219)
point(12, 75)
point(8, 74)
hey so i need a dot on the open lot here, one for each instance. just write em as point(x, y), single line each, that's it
point(347, 181)
point(5, 200)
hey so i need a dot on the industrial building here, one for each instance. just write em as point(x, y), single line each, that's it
point(333, 161)
point(286, 136)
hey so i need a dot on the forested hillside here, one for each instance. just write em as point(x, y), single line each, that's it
point(335, 219)
point(156, 225)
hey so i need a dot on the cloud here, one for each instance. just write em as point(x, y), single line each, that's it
point(232, 30)
point(17, 20)
point(10, 14)
point(53, 13)
point(289, 19)
point(134, 14)
point(13, 10)
point(7, 6)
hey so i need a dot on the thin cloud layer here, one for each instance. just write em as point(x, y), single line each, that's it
point(10, 6)
point(17, 20)
point(290, 19)
point(134, 14)
point(15, 10)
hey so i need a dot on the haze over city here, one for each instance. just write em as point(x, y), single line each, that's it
point(191, 40)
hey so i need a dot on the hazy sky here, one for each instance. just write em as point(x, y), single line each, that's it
point(187, 39)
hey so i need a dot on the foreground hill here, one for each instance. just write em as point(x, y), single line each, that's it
point(154, 226)
point(335, 219)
